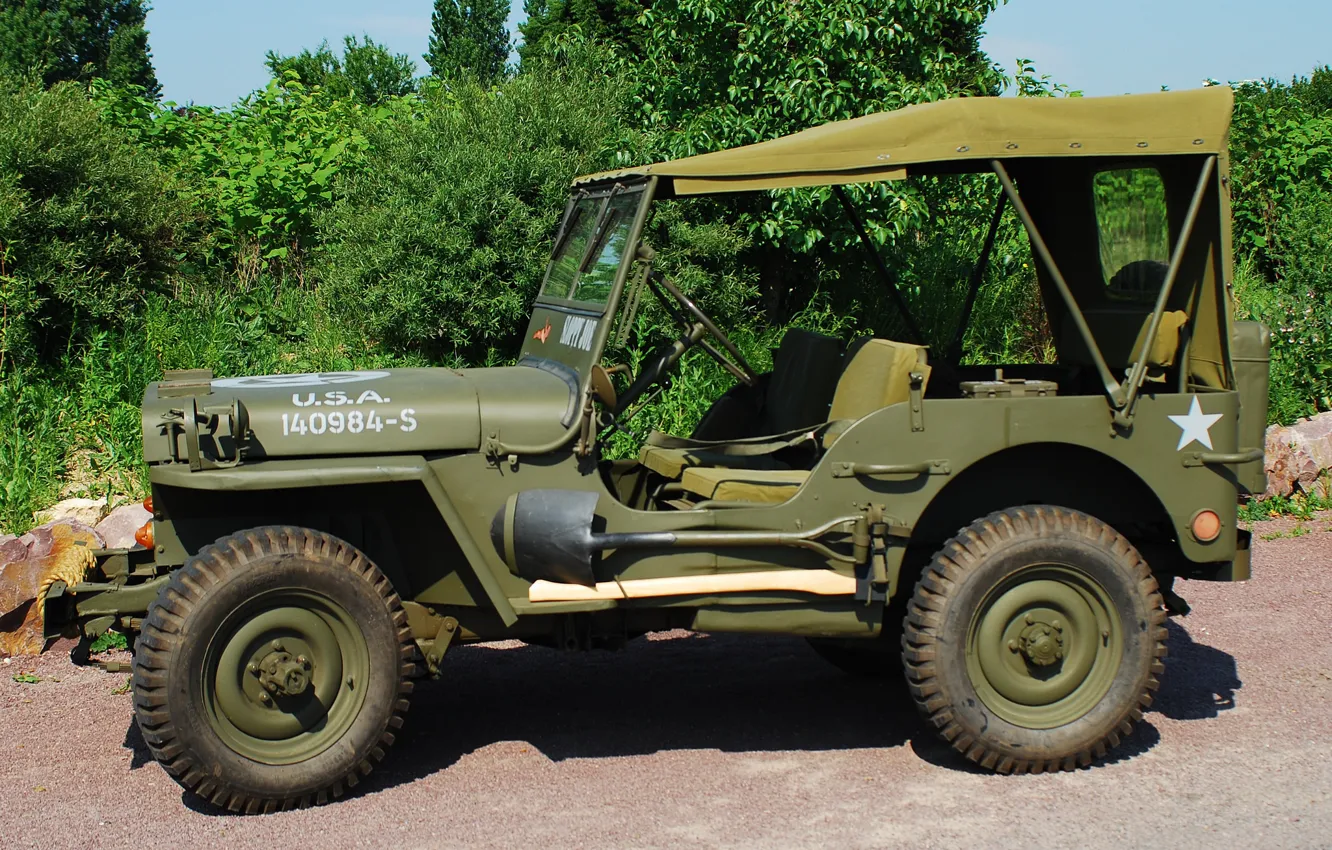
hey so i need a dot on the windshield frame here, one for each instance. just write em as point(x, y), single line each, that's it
point(604, 193)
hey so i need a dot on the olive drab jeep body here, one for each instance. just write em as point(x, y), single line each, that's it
point(1003, 535)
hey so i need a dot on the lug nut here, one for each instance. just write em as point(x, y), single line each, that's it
point(1014, 646)
point(252, 667)
point(272, 686)
point(303, 661)
point(1029, 619)
point(1057, 626)
point(265, 699)
point(276, 645)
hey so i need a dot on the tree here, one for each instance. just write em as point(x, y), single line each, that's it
point(715, 74)
point(469, 37)
point(77, 40)
point(367, 72)
point(615, 22)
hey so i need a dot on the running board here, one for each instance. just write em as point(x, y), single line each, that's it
point(819, 582)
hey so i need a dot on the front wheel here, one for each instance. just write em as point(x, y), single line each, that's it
point(272, 671)
point(1034, 640)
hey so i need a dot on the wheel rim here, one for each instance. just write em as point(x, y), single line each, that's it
point(1044, 646)
point(285, 676)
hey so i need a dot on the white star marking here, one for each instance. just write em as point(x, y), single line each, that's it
point(1195, 425)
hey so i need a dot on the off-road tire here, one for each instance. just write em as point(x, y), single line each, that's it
point(962, 583)
point(203, 604)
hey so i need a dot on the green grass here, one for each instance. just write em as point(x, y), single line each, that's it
point(73, 426)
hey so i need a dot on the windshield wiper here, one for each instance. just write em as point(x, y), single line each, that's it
point(567, 230)
point(600, 229)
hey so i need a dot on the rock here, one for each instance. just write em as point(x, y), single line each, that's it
point(38, 542)
point(117, 530)
point(1299, 456)
point(12, 549)
point(25, 584)
point(87, 511)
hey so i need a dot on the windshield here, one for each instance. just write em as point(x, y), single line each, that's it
point(590, 248)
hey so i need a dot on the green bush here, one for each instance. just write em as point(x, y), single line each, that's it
point(90, 224)
point(260, 171)
point(438, 244)
point(1297, 306)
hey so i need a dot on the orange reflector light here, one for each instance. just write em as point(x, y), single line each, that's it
point(1206, 526)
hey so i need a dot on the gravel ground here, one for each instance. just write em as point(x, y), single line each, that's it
point(696, 741)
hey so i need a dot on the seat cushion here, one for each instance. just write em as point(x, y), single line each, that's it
point(672, 462)
point(743, 485)
point(878, 375)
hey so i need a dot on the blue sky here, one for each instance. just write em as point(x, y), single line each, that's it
point(213, 52)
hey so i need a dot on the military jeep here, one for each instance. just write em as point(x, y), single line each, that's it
point(1003, 535)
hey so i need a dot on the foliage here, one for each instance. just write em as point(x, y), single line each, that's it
point(26, 678)
point(1302, 506)
point(1281, 139)
point(366, 72)
point(720, 73)
point(89, 223)
point(1281, 147)
point(77, 40)
point(1296, 303)
point(261, 170)
point(438, 244)
point(551, 22)
point(108, 640)
point(469, 38)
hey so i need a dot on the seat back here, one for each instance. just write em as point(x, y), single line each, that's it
point(794, 395)
point(804, 373)
point(877, 374)
point(1121, 334)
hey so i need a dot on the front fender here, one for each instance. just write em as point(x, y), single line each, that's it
point(334, 472)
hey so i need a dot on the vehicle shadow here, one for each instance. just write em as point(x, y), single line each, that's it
point(725, 692)
point(1200, 681)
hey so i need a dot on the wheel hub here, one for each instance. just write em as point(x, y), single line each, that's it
point(1042, 643)
point(285, 682)
point(1042, 646)
point(282, 674)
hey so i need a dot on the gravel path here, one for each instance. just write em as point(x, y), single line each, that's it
point(696, 741)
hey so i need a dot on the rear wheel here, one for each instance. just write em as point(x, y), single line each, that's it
point(272, 672)
point(1034, 640)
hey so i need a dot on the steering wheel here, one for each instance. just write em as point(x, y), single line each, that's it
point(686, 313)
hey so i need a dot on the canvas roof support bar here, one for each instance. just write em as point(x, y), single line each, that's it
point(916, 336)
point(977, 276)
point(1113, 389)
point(1139, 369)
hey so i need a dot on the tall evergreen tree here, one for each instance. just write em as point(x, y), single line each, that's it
point(469, 37)
point(614, 21)
point(77, 40)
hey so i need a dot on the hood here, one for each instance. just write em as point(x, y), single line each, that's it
point(391, 411)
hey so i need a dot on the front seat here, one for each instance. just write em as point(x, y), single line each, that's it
point(795, 395)
point(878, 374)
